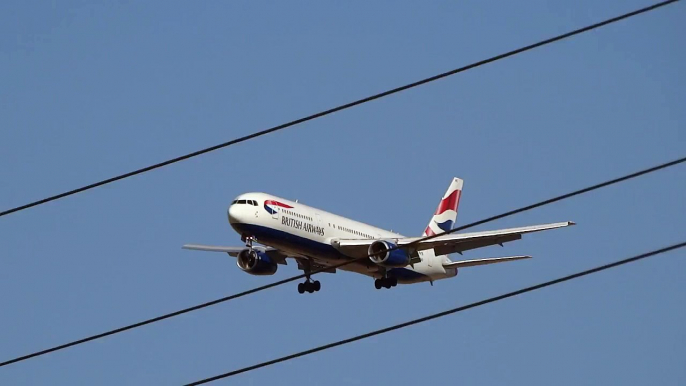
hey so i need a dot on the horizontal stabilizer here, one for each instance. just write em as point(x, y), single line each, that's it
point(475, 262)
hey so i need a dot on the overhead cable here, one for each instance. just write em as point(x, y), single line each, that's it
point(439, 314)
point(301, 276)
point(338, 108)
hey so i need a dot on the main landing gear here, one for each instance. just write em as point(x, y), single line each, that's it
point(386, 282)
point(309, 286)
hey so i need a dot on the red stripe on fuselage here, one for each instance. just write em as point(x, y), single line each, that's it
point(276, 203)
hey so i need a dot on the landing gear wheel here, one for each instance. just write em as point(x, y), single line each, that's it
point(309, 286)
point(386, 282)
point(248, 241)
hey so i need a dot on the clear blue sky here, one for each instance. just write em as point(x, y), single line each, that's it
point(89, 91)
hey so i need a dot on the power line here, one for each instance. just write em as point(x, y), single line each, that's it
point(301, 276)
point(552, 200)
point(440, 314)
point(338, 108)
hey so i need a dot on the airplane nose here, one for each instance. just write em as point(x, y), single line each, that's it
point(233, 214)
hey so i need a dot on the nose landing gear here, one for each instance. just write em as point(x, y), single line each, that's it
point(248, 240)
point(386, 282)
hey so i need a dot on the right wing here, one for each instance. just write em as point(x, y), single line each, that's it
point(304, 263)
point(273, 253)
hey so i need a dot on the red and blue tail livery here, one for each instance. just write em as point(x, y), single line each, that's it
point(446, 213)
point(271, 205)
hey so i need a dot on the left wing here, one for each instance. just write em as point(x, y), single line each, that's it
point(273, 253)
point(450, 243)
point(475, 262)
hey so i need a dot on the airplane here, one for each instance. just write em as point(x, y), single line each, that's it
point(316, 240)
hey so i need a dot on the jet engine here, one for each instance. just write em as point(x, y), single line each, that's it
point(380, 254)
point(256, 262)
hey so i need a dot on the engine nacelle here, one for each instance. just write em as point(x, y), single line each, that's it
point(256, 262)
point(380, 255)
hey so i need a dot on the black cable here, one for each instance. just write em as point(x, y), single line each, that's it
point(339, 108)
point(440, 314)
point(301, 276)
point(551, 200)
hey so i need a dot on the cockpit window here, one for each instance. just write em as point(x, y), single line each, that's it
point(248, 202)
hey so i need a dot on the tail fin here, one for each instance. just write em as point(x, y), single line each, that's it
point(445, 215)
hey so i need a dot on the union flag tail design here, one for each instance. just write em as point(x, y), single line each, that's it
point(446, 213)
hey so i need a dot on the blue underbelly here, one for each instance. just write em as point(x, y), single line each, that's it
point(280, 239)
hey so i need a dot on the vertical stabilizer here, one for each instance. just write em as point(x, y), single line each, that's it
point(446, 213)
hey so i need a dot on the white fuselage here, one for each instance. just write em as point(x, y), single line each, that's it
point(304, 231)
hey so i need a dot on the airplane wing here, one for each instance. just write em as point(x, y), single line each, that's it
point(449, 243)
point(475, 262)
point(273, 253)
